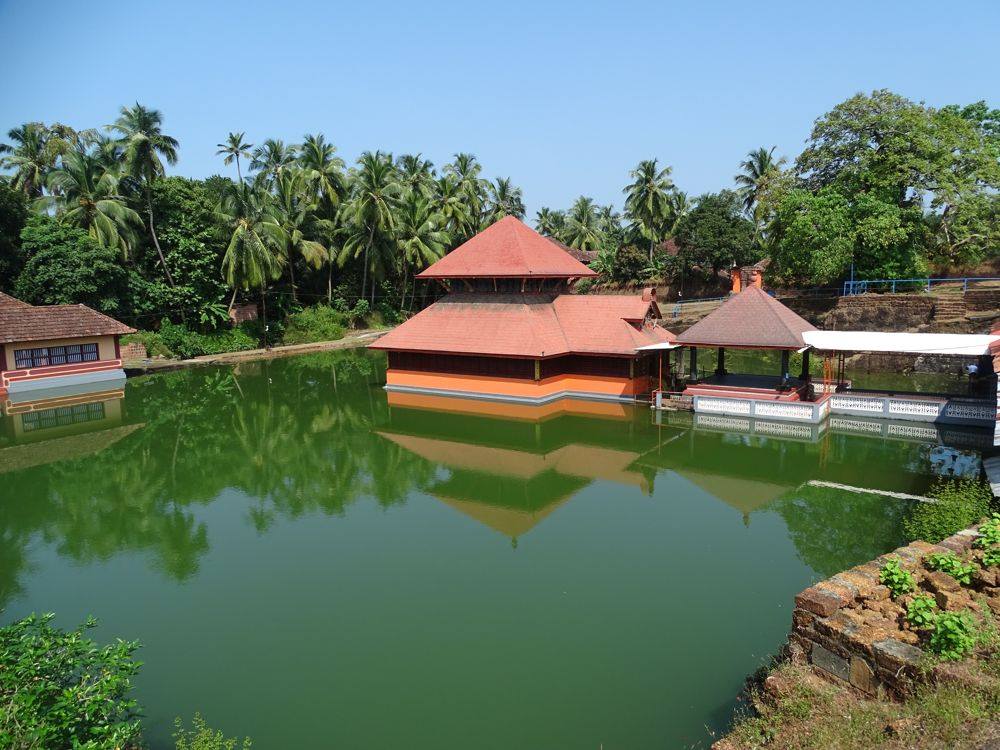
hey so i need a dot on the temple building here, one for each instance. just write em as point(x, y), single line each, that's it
point(56, 346)
point(509, 329)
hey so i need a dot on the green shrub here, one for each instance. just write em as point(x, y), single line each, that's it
point(948, 562)
point(920, 612)
point(358, 313)
point(203, 737)
point(317, 323)
point(989, 532)
point(953, 635)
point(181, 342)
point(959, 504)
point(898, 580)
point(583, 286)
point(59, 689)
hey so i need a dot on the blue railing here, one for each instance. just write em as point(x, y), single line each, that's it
point(892, 285)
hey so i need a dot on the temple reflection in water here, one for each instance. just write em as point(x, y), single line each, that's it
point(511, 466)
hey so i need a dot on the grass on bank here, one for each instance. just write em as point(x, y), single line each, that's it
point(801, 711)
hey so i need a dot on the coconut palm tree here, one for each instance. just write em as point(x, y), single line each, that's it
point(416, 173)
point(449, 201)
point(758, 165)
point(86, 196)
point(270, 159)
point(504, 200)
point(420, 236)
point(548, 222)
point(678, 206)
point(233, 149)
point(646, 200)
point(323, 170)
point(582, 230)
point(253, 255)
point(466, 169)
point(28, 158)
point(295, 214)
point(376, 192)
point(143, 144)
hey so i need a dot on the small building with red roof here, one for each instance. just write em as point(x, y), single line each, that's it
point(509, 328)
point(53, 346)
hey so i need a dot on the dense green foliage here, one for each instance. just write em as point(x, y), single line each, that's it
point(898, 579)
point(959, 503)
point(13, 215)
point(921, 610)
point(953, 635)
point(64, 265)
point(317, 323)
point(59, 689)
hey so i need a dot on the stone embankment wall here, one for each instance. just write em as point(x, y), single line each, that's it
point(880, 312)
point(850, 631)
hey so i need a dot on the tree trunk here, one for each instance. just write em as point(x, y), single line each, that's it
point(238, 173)
point(263, 304)
point(152, 231)
point(329, 283)
point(364, 273)
point(650, 249)
point(232, 301)
point(291, 273)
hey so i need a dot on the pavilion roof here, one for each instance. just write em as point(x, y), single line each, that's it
point(507, 249)
point(750, 319)
point(529, 325)
point(21, 322)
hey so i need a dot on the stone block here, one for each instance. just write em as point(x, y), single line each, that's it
point(937, 581)
point(829, 662)
point(863, 583)
point(803, 619)
point(862, 676)
point(985, 577)
point(894, 655)
point(953, 601)
point(819, 601)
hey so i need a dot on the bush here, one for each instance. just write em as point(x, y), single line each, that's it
point(921, 611)
point(893, 575)
point(203, 737)
point(60, 689)
point(173, 340)
point(959, 504)
point(953, 636)
point(318, 323)
point(583, 286)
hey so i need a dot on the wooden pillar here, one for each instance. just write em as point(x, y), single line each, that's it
point(720, 363)
point(538, 369)
point(804, 375)
point(660, 379)
point(694, 363)
point(785, 355)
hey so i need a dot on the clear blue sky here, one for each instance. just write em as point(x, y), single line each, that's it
point(563, 97)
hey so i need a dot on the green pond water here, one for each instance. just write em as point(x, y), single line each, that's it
point(309, 565)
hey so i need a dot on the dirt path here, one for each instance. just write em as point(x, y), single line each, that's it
point(350, 341)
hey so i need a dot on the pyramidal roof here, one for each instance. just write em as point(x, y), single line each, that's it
point(507, 249)
point(752, 318)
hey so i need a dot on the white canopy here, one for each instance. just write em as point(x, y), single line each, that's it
point(959, 344)
point(658, 347)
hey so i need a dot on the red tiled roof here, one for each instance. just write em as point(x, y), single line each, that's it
point(7, 302)
point(528, 326)
point(507, 249)
point(584, 256)
point(20, 321)
point(752, 318)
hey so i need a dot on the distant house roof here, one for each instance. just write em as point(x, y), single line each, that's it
point(584, 256)
point(752, 319)
point(20, 322)
point(507, 249)
point(526, 325)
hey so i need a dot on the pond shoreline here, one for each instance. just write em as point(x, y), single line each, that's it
point(353, 340)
